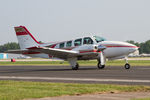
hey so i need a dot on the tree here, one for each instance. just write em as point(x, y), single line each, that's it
point(9, 46)
point(133, 42)
point(144, 46)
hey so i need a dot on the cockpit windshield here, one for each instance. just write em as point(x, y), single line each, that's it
point(99, 39)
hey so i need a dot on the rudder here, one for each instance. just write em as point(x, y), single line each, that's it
point(25, 38)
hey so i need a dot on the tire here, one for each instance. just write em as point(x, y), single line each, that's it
point(127, 66)
point(100, 66)
point(76, 67)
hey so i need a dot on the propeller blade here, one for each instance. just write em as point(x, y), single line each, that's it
point(101, 48)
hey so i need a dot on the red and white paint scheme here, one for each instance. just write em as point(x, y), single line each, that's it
point(84, 48)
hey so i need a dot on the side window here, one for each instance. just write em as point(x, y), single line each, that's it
point(99, 39)
point(77, 42)
point(87, 40)
point(69, 44)
point(61, 45)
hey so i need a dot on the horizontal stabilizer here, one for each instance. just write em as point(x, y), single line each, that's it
point(24, 52)
point(17, 51)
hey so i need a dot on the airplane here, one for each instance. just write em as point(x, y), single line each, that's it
point(83, 48)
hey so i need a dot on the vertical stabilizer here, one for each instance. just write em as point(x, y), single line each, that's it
point(25, 38)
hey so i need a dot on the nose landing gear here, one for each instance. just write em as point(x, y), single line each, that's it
point(127, 65)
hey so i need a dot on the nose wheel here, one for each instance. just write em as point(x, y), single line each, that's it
point(127, 66)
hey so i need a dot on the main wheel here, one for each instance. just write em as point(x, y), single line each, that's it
point(127, 66)
point(100, 66)
point(76, 67)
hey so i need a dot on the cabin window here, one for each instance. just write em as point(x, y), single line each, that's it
point(77, 42)
point(87, 40)
point(99, 39)
point(61, 45)
point(69, 44)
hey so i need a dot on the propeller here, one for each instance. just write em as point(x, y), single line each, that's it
point(101, 48)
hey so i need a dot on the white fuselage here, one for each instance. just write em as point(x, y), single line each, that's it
point(114, 49)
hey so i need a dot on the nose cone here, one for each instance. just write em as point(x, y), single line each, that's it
point(132, 48)
point(121, 48)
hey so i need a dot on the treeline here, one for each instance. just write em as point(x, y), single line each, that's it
point(144, 46)
point(9, 46)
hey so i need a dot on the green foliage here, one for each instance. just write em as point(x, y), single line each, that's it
point(133, 42)
point(145, 47)
point(9, 46)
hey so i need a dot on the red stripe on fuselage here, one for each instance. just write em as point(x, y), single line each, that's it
point(31, 53)
point(123, 46)
point(86, 51)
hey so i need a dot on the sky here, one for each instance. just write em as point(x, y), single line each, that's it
point(59, 20)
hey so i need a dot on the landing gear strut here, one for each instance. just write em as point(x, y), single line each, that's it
point(127, 65)
point(101, 61)
point(73, 63)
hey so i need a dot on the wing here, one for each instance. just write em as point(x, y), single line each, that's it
point(65, 54)
point(59, 53)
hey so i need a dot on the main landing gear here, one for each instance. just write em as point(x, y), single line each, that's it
point(127, 65)
point(101, 61)
point(73, 63)
point(76, 67)
point(100, 66)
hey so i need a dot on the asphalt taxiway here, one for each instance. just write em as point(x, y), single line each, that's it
point(86, 74)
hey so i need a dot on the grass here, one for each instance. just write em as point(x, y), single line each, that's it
point(142, 99)
point(82, 63)
point(19, 90)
